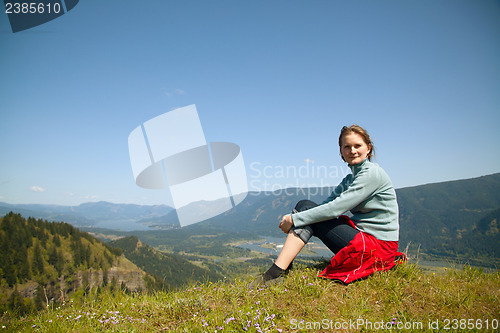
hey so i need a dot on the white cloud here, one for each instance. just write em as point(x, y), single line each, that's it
point(37, 189)
point(308, 160)
point(175, 92)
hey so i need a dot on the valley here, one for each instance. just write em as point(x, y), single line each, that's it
point(444, 226)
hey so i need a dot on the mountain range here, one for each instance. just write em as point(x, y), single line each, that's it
point(91, 213)
point(454, 218)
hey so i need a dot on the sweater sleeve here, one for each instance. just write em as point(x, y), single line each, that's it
point(338, 190)
point(364, 184)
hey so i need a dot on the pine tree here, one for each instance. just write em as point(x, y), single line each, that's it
point(9, 274)
point(104, 277)
point(25, 269)
point(57, 240)
point(38, 260)
point(39, 298)
point(56, 259)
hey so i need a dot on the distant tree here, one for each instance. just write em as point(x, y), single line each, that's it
point(56, 240)
point(43, 238)
point(9, 274)
point(24, 268)
point(26, 238)
point(87, 255)
point(113, 284)
point(108, 257)
point(75, 235)
point(77, 248)
point(104, 277)
point(56, 259)
point(40, 298)
point(38, 260)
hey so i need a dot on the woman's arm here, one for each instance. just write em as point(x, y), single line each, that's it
point(366, 182)
point(338, 190)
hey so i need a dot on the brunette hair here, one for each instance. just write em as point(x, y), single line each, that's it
point(362, 132)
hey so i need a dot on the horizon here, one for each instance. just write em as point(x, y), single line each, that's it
point(278, 79)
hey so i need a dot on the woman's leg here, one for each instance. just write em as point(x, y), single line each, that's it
point(296, 239)
point(290, 250)
point(335, 234)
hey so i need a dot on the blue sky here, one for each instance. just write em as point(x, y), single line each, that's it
point(278, 78)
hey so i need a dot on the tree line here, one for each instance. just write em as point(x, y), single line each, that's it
point(41, 251)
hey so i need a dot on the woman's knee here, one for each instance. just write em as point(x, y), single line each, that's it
point(304, 205)
point(305, 233)
point(334, 231)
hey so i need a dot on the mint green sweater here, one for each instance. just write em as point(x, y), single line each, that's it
point(369, 195)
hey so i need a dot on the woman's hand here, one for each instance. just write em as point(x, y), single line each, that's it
point(286, 223)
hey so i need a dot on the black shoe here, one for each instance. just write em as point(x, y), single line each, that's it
point(259, 282)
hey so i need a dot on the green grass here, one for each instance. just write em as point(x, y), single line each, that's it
point(405, 297)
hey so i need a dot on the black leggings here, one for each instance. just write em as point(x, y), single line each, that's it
point(334, 233)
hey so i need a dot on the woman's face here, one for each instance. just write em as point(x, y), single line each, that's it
point(354, 149)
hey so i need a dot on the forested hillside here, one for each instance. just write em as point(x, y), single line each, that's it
point(42, 262)
point(456, 219)
point(483, 242)
point(171, 271)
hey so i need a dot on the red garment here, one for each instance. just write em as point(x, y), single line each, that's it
point(364, 255)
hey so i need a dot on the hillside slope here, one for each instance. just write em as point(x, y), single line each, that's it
point(452, 218)
point(171, 271)
point(42, 262)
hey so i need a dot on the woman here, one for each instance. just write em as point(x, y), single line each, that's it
point(364, 243)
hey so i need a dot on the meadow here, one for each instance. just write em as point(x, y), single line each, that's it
point(407, 298)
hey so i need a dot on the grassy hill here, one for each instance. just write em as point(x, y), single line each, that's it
point(404, 299)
